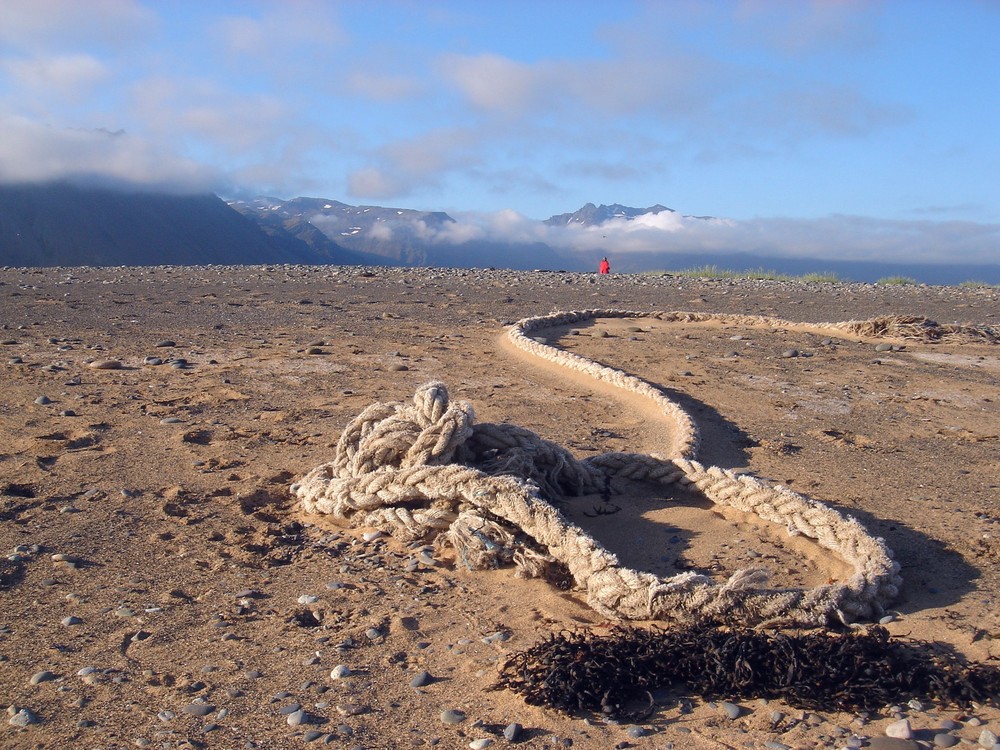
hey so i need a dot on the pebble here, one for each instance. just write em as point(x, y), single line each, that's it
point(373, 634)
point(883, 347)
point(987, 739)
point(789, 353)
point(892, 743)
point(43, 400)
point(480, 744)
point(512, 732)
point(731, 709)
point(308, 599)
point(351, 709)
point(171, 420)
point(452, 716)
point(67, 413)
point(105, 364)
point(900, 729)
point(635, 732)
point(152, 361)
point(296, 718)
point(772, 745)
point(165, 342)
point(71, 620)
point(198, 709)
point(44, 676)
point(166, 716)
point(340, 671)
point(291, 708)
point(943, 739)
point(886, 620)
point(311, 735)
point(22, 718)
point(371, 536)
point(420, 679)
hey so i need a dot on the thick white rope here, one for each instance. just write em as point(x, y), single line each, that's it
point(425, 469)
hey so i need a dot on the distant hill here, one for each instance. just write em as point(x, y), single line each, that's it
point(591, 215)
point(395, 236)
point(61, 224)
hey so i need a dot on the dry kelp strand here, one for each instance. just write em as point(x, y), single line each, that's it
point(578, 671)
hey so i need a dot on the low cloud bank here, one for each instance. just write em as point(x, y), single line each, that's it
point(32, 153)
point(838, 237)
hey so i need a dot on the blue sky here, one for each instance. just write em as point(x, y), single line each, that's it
point(835, 129)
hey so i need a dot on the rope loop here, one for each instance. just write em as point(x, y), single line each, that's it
point(424, 469)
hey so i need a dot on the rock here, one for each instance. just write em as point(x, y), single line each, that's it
point(352, 709)
point(296, 718)
point(198, 709)
point(790, 353)
point(421, 679)
point(452, 716)
point(987, 739)
point(165, 343)
point(512, 732)
point(105, 364)
point(71, 620)
point(731, 710)
point(39, 677)
point(43, 400)
point(892, 743)
point(339, 672)
point(883, 347)
point(480, 744)
point(22, 718)
point(943, 739)
point(899, 729)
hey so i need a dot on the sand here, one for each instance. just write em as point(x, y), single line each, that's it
point(191, 577)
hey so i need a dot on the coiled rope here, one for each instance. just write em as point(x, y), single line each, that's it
point(426, 470)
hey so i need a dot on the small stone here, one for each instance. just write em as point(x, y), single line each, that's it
point(308, 599)
point(943, 739)
point(312, 735)
point(371, 536)
point(373, 634)
point(421, 679)
point(339, 672)
point(731, 710)
point(43, 400)
point(480, 744)
point(987, 739)
point(198, 709)
point(351, 709)
point(22, 718)
point(71, 620)
point(790, 353)
point(452, 716)
point(498, 637)
point(315, 350)
point(886, 620)
point(152, 361)
point(44, 676)
point(291, 708)
point(165, 343)
point(67, 413)
point(899, 729)
point(892, 743)
point(772, 745)
point(512, 732)
point(883, 347)
point(297, 718)
point(635, 732)
point(105, 364)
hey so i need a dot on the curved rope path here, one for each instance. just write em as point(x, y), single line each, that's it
point(425, 469)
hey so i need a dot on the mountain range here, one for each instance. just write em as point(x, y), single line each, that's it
point(61, 224)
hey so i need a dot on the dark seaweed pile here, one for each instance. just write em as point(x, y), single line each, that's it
point(574, 671)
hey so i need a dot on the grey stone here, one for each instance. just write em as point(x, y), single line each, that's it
point(452, 716)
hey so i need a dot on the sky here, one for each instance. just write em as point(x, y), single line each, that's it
point(807, 128)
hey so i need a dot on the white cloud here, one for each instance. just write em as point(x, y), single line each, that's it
point(842, 238)
point(46, 24)
point(71, 75)
point(30, 152)
point(374, 184)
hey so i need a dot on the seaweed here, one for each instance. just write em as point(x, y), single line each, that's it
point(858, 670)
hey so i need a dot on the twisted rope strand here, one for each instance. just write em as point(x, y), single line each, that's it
point(425, 469)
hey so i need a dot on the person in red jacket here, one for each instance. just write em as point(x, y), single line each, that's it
point(605, 267)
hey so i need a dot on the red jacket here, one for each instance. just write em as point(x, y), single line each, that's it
point(605, 266)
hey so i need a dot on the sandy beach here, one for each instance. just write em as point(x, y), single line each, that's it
point(161, 587)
